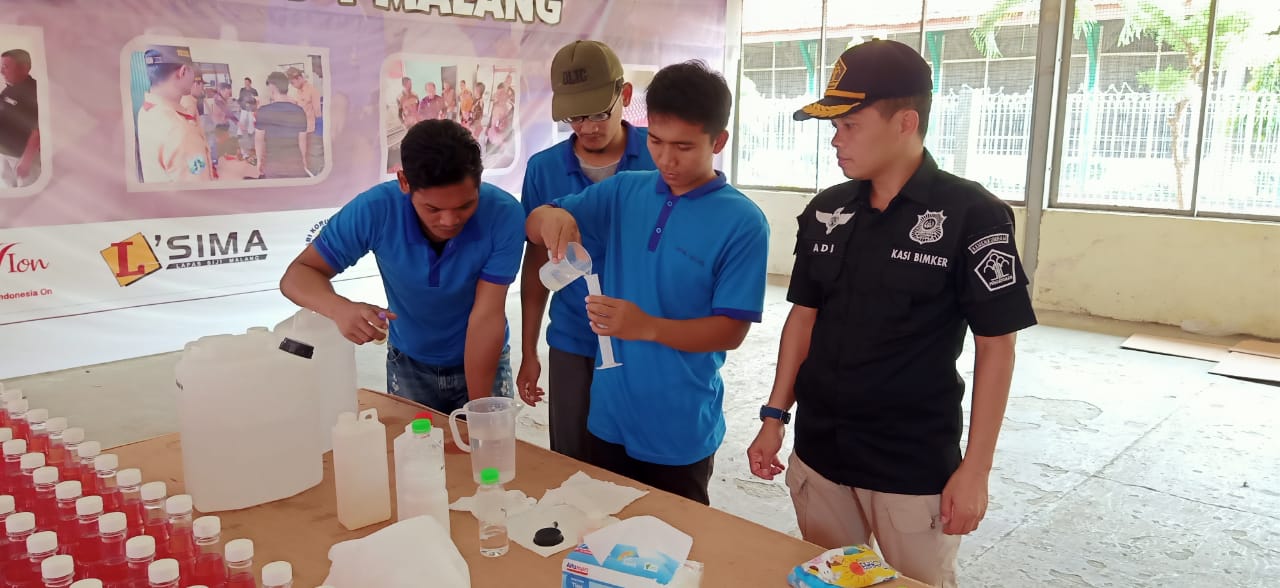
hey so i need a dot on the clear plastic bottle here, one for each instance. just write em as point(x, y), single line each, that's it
point(58, 571)
point(57, 452)
point(38, 430)
point(18, 418)
point(211, 569)
point(26, 493)
point(87, 583)
point(140, 552)
point(66, 494)
point(239, 556)
point(491, 511)
point(420, 474)
point(129, 482)
point(182, 541)
point(7, 508)
point(19, 527)
point(45, 501)
point(163, 573)
point(7, 396)
point(70, 464)
point(13, 450)
point(155, 520)
point(40, 546)
point(277, 574)
point(6, 435)
point(86, 545)
point(105, 466)
point(88, 475)
point(114, 565)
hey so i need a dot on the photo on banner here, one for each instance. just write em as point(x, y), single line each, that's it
point(639, 76)
point(207, 113)
point(480, 94)
point(24, 118)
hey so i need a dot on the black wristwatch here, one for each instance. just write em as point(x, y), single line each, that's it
point(769, 412)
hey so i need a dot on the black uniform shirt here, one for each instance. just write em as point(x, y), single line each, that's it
point(878, 397)
point(18, 116)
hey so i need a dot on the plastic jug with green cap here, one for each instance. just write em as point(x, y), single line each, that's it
point(420, 473)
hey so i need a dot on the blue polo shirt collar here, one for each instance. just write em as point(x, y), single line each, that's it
point(711, 186)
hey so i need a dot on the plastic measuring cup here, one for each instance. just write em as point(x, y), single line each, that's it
point(555, 275)
point(491, 424)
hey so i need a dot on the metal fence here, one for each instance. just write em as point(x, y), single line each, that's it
point(1118, 149)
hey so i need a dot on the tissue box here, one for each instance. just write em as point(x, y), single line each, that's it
point(620, 570)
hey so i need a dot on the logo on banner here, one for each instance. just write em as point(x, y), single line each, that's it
point(928, 227)
point(996, 270)
point(526, 11)
point(14, 262)
point(135, 258)
point(315, 231)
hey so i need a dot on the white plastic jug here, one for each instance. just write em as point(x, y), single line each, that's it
point(333, 371)
point(360, 469)
point(420, 473)
point(247, 418)
point(491, 424)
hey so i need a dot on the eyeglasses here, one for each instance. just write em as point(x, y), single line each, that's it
point(598, 117)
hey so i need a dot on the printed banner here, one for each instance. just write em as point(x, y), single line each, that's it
point(157, 151)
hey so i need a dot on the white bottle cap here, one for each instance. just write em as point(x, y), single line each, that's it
point(140, 547)
point(163, 571)
point(7, 505)
point(68, 490)
point(6, 434)
point(277, 573)
point(206, 527)
point(112, 522)
point(107, 462)
point(178, 504)
point(154, 491)
point(73, 435)
point(58, 566)
point(87, 583)
point(11, 394)
point(129, 477)
point(18, 406)
point(45, 475)
point(88, 506)
point(31, 461)
point(38, 415)
point(42, 542)
point(238, 550)
point(56, 424)
point(89, 449)
point(14, 447)
point(19, 522)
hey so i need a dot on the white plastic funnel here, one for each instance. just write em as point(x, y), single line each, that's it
point(555, 275)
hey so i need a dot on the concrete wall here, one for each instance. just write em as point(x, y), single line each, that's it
point(1209, 275)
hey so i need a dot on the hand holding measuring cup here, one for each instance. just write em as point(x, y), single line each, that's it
point(555, 275)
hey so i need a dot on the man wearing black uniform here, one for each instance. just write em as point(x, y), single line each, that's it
point(19, 121)
point(891, 269)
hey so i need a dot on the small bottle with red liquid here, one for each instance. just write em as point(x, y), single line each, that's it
point(40, 546)
point(26, 494)
point(66, 494)
point(113, 568)
point(92, 583)
point(140, 551)
point(38, 431)
point(6, 435)
point(57, 453)
point(86, 545)
point(211, 570)
point(18, 418)
point(239, 557)
point(155, 520)
point(45, 503)
point(88, 475)
point(5, 397)
point(182, 541)
point(277, 574)
point(70, 464)
point(7, 509)
point(105, 466)
point(13, 450)
point(58, 571)
point(18, 527)
point(129, 483)
point(164, 573)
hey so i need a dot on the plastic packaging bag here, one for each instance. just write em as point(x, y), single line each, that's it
point(847, 567)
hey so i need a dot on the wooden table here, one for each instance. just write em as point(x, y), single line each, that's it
point(734, 551)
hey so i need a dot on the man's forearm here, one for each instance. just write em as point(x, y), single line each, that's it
point(992, 376)
point(700, 335)
point(533, 299)
point(309, 288)
point(483, 348)
point(32, 150)
point(792, 351)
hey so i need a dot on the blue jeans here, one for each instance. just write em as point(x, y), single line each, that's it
point(443, 388)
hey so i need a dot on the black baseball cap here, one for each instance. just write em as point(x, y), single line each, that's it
point(875, 70)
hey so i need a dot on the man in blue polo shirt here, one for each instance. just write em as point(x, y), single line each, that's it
point(683, 278)
point(589, 93)
point(448, 246)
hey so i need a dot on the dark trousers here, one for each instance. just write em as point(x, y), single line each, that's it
point(569, 400)
point(689, 481)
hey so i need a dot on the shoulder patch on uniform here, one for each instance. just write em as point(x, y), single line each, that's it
point(832, 219)
point(928, 227)
point(987, 241)
point(997, 270)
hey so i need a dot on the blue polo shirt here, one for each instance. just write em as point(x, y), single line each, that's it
point(430, 294)
point(676, 257)
point(556, 172)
